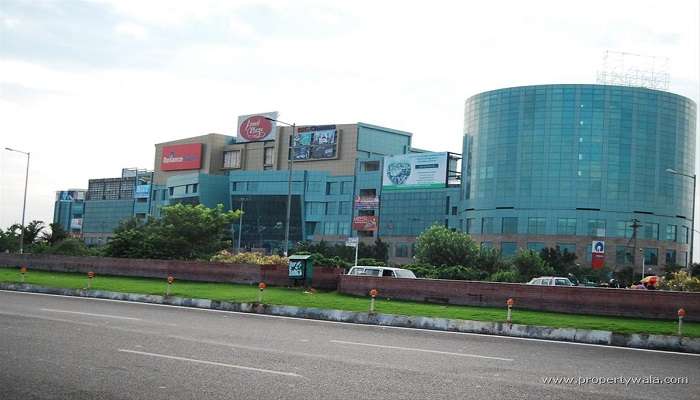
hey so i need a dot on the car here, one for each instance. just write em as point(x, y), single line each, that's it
point(551, 281)
point(362, 270)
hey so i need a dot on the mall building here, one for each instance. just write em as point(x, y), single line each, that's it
point(541, 166)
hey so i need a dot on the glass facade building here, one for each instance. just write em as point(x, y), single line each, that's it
point(565, 164)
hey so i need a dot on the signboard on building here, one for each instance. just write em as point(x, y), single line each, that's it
point(70, 195)
point(142, 191)
point(366, 203)
point(179, 157)
point(315, 143)
point(76, 223)
point(256, 127)
point(365, 223)
point(415, 171)
point(597, 254)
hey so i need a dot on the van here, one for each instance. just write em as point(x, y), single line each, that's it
point(362, 270)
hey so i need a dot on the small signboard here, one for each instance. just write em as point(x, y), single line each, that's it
point(352, 241)
point(597, 254)
point(296, 269)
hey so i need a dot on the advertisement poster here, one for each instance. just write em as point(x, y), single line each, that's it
point(597, 254)
point(70, 195)
point(315, 143)
point(365, 223)
point(76, 223)
point(142, 191)
point(415, 171)
point(366, 203)
point(256, 127)
point(181, 157)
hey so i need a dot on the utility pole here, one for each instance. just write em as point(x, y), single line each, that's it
point(635, 226)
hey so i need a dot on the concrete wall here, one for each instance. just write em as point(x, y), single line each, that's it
point(579, 300)
point(275, 275)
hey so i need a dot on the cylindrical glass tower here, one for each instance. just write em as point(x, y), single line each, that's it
point(562, 165)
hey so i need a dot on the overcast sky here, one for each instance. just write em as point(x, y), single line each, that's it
point(89, 87)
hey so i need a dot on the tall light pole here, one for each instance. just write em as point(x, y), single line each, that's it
point(24, 203)
point(290, 166)
point(240, 223)
point(692, 227)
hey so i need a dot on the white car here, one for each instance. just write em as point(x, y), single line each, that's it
point(551, 281)
point(361, 270)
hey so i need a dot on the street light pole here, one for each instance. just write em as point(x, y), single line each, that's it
point(692, 227)
point(240, 224)
point(24, 203)
point(290, 167)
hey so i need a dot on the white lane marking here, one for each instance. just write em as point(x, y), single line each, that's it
point(90, 314)
point(218, 364)
point(449, 353)
point(366, 326)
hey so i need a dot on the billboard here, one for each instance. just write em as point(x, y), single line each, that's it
point(315, 143)
point(365, 223)
point(179, 157)
point(415, 171)
point(366, 203)
point(70, 195)
point(142, 191)
point(597, 254)
point(256, 128)
point(76, 223)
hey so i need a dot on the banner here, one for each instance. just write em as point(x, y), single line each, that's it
point(256, 127)
point(179, 157)
point(597, 254)
point(142, 191)
point(366, 203)
point(415, 171)
point(365, 223)
point(70, 195)
point(76, 223)
point(315, 143)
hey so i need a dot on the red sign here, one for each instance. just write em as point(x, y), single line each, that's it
point(597, 260)
point(255, 128)
point(181, 157)
point(365, 223)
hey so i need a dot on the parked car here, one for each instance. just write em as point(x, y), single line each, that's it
point(551, 281)
point(381, 271)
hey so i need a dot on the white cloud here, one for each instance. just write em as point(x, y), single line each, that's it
point(132, 30)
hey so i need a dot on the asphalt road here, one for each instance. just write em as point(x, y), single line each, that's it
point(54, 347)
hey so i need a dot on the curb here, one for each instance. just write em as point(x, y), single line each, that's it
point(639, 341)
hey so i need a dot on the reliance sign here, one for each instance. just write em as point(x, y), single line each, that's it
point(181, 157)
point(257, 127)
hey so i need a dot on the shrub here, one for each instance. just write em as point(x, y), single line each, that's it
point(505, 275)
point(249, 258)
point(681, 282)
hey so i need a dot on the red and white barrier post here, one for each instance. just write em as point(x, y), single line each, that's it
point(373, 293)
point(509, 316)
point(681, 314)
point(262, 287)
point(170, 284)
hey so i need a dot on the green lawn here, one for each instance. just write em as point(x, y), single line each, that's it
point(333, 300)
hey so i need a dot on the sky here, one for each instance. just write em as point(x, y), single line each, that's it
point(88, 87)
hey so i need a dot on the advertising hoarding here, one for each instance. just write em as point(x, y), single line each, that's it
point(142, 191)
point(70, 195)
point(415, 171)
point(597, 254)
point(76, 223)
point(180, 157)
point(256, 127)
point(365, 223)
point(315, 143)
point(366, 203)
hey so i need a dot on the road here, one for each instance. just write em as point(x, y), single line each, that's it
point(54, 347)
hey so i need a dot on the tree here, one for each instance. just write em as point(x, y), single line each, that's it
point(183, 232)
point(9, 240)
point(56, 235)
point(529, 265)
point(439, 245)
point(31, 231)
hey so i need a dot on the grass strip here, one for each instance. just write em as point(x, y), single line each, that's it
point(333, 300)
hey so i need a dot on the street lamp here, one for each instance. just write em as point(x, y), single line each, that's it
point(24, 204)
point(290, 166)
point(240, 223)
point(692, 228)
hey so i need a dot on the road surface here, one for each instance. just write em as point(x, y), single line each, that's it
point(54, 347)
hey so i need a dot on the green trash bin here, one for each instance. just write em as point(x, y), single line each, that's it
point(301, 269)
